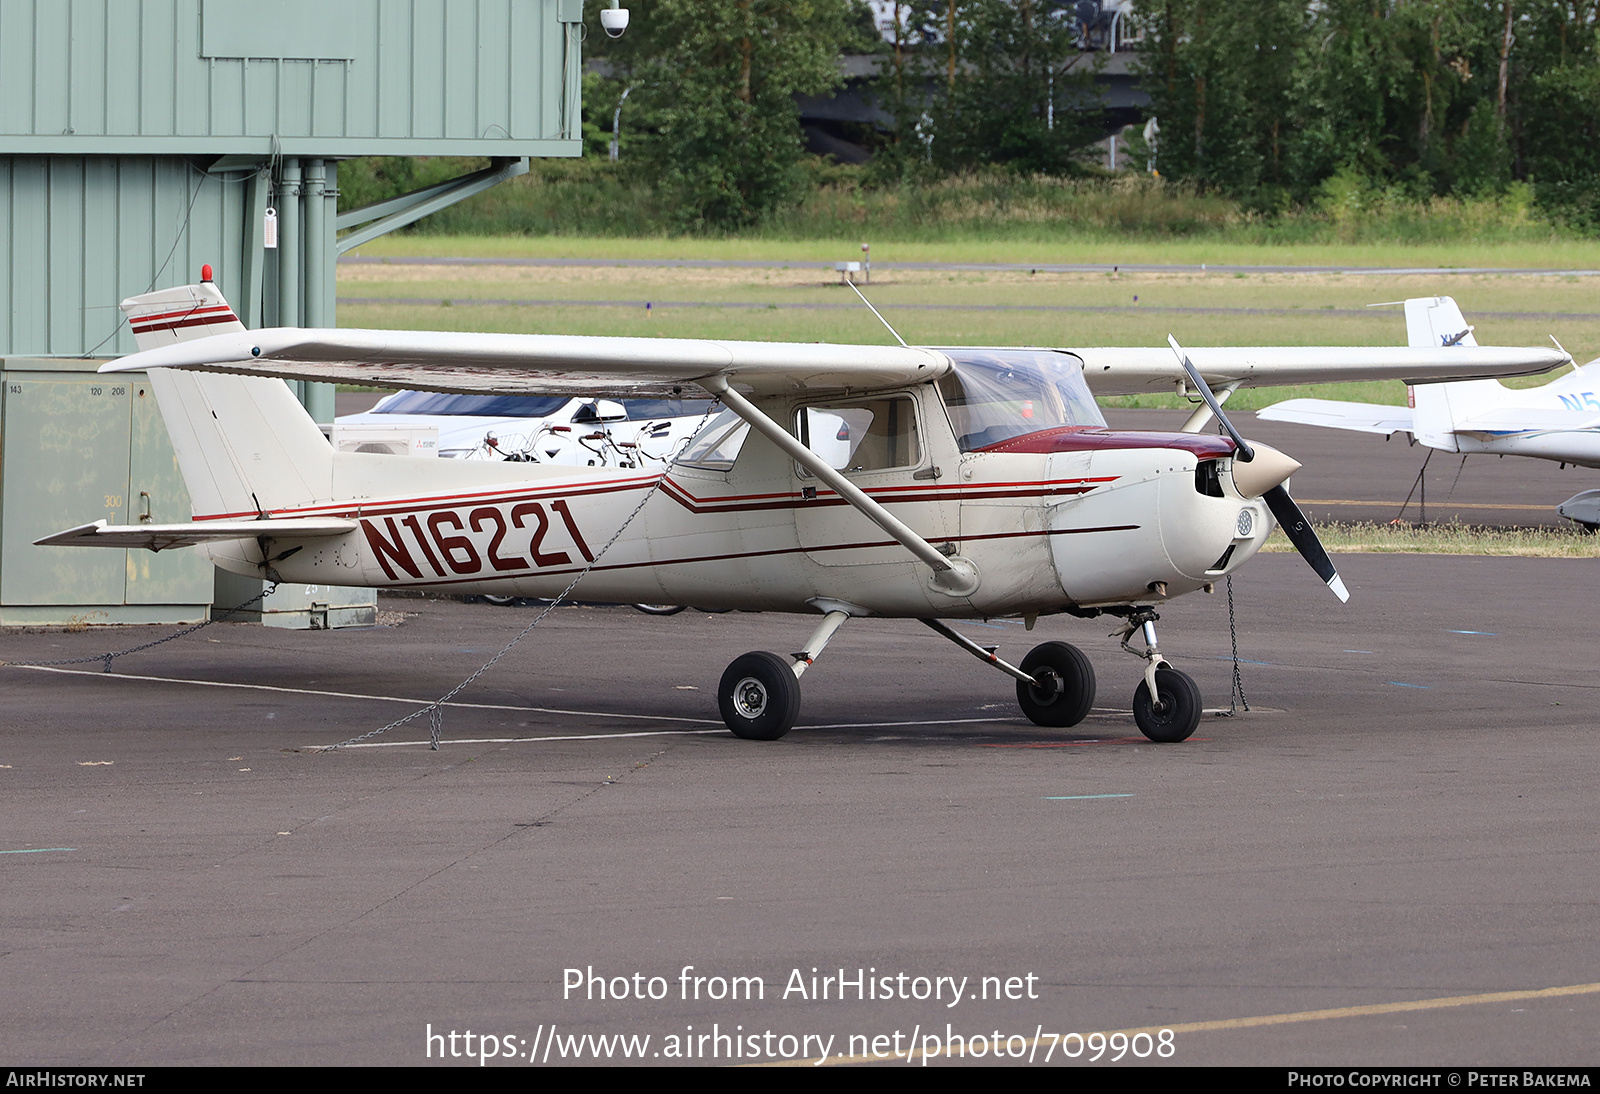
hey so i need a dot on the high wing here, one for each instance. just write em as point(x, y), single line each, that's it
point(552, 364)
point(1362, 417)
point(1117, 371)
point(542, 363)
point(162, 537)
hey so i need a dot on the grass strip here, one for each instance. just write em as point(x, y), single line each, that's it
point(1453, 538)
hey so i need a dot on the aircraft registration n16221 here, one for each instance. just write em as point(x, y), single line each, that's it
point(837, 480)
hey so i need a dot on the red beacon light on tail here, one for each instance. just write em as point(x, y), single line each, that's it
point(205, 273)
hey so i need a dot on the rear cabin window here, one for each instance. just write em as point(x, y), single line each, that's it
point(994, 396)
point(717, 445)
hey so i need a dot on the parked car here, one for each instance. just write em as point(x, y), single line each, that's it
point(534, 428)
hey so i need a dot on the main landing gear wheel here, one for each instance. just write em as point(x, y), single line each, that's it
point(1175, 714)
point(659, 609)
point(1065, 689)
point(759, 696)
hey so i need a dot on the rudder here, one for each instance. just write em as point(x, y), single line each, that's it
point(244, 443)
point(1436, 322)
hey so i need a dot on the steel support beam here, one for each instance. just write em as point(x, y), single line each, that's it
point(385, 216)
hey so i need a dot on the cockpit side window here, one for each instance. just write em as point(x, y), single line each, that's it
point(866, 435)
point(994, 396)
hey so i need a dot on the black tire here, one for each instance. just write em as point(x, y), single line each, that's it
point(498, 601)
point(759, 696)
point(1180, 707)
point(1066, 685)
point(659, 609)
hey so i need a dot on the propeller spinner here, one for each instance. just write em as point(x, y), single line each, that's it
point(1266, 481)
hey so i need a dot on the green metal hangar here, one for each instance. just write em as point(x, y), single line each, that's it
point(142, 138)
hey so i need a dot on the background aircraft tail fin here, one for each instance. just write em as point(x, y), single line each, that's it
point(245, 445)
point(1435, 322)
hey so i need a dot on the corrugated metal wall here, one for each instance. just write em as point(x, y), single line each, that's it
point(315, 75)
point(83, 232)
point(112, 112)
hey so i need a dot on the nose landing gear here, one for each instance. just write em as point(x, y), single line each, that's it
point(1166, 704)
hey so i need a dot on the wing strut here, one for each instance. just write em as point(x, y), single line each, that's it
point(953, 575)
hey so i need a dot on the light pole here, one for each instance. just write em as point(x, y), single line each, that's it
point(616, 124)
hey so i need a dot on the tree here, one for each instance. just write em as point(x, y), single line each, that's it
point(713, 109)
point(914, 31)
point(1020, 93)
point(1555, 106)
point(1221, 78)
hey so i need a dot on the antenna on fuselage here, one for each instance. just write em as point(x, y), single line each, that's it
point(1571, 360)
point(875, 311)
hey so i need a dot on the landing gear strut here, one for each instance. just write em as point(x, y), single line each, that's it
point(759, 695)
point(1166, 704)
point(1063, 690)
point(1055, 685)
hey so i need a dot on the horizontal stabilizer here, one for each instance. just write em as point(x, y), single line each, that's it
point(1362, 417)
point(161, 537)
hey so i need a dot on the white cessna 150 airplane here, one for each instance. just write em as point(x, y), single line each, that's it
point(1558, 421)
point(839, 480)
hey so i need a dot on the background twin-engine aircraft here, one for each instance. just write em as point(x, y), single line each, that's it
point(837, 480)
point(1559, 421)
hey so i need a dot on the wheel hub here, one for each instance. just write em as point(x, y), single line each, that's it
point(750, 697)
point(1048, 686)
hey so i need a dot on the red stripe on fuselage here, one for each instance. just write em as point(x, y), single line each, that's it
point(735, 556)
point(522, 492)
point(738, 503)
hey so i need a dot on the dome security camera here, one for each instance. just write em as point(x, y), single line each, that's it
point(614, 20)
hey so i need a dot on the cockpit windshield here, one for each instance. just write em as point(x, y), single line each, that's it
point(998, 394)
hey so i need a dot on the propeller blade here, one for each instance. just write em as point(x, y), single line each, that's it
point(1245, 453)
point(1290, 518)
point(1298, 529)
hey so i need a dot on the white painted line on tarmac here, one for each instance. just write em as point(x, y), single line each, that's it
point(518, 740)
point(507, 707)
point(371, 698)
point(648, 733)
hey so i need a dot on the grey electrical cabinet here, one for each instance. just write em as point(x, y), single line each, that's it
point(76, 446)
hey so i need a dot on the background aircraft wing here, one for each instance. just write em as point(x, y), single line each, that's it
point(541, 363)
point(1120, 371)
point(160, 537)
point(1363, 417)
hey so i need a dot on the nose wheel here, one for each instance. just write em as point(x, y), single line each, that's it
point(1166, 704)
point(1173, 713)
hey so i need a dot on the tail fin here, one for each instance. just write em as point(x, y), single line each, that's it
point(245, 445)
point(1434, 322)
point(180, 314)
